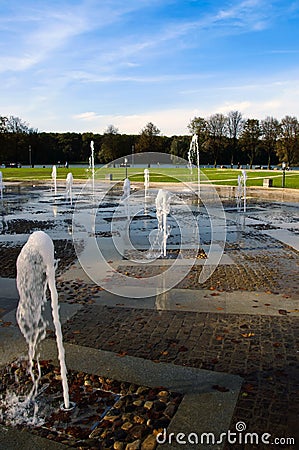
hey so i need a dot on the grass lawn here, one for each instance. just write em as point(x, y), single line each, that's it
point(215, 176)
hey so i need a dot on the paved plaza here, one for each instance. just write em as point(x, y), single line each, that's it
point(242, 321)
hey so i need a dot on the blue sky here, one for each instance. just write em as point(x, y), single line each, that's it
point(85, 64)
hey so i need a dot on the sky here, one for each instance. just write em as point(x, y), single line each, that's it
point(82, 65)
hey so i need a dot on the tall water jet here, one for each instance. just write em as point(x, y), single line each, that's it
point(126, 189)
point(241, 191)
point(69, 187)
point(91, 164)
point(193, 155)
point(162, 211)
point(1, 185)
point(126, 195)
point(146, 181)
point(54, 178)
point(35, 273)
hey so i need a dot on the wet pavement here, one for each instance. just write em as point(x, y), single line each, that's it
point(259, 341)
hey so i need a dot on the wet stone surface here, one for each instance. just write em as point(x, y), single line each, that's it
point(9, 252)
point(171, 254)
point(107, 414)
point(23, 226)
point(262, 349)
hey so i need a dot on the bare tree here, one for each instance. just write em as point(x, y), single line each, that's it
point(234, 126)
point(3, 124)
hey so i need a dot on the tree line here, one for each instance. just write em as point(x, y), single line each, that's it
point(223, 140)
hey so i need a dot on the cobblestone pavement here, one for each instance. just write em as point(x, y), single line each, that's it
point(262, 349)
point(261, 264)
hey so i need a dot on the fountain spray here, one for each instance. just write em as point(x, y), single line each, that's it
point(35, 273)
point(54, 178)
point(69, 186)
point(162, 211)
point(91, 164)
point(193, 154)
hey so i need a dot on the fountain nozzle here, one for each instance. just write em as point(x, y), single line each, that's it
point(72, 405)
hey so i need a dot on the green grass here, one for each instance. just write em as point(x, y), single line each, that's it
point(181, 174)
point(34, 174)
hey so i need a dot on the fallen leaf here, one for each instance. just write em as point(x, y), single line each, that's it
point(247, 335)
point(6, 324)
point(219, 308)
point(164, 353)
point(214, 294)
point(248, 387)
point(277, 344)
point(76, 332)
point(122, 353)
point(219, 338)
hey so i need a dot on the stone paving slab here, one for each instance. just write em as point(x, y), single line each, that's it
point(261, 349)
point(203, 409)
point(205, 300)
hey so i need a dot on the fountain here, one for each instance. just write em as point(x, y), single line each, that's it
point(193, 154)
point(91, 164)
point(54, 178)
point(146, 186)
point(126, 189)
point(1, 186)
point(35, 273)
point(162, 211)
point(241, 191)
point(126, 195)
point(146, 182)
point(69, 185)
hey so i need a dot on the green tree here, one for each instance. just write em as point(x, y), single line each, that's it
point(199, 126)
point(179, 148)
point(149, 140)
point(110, 145)
point(216, 141)
point(270, 130)
point(250, 139)
point(17, 140)
point(288, 143)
